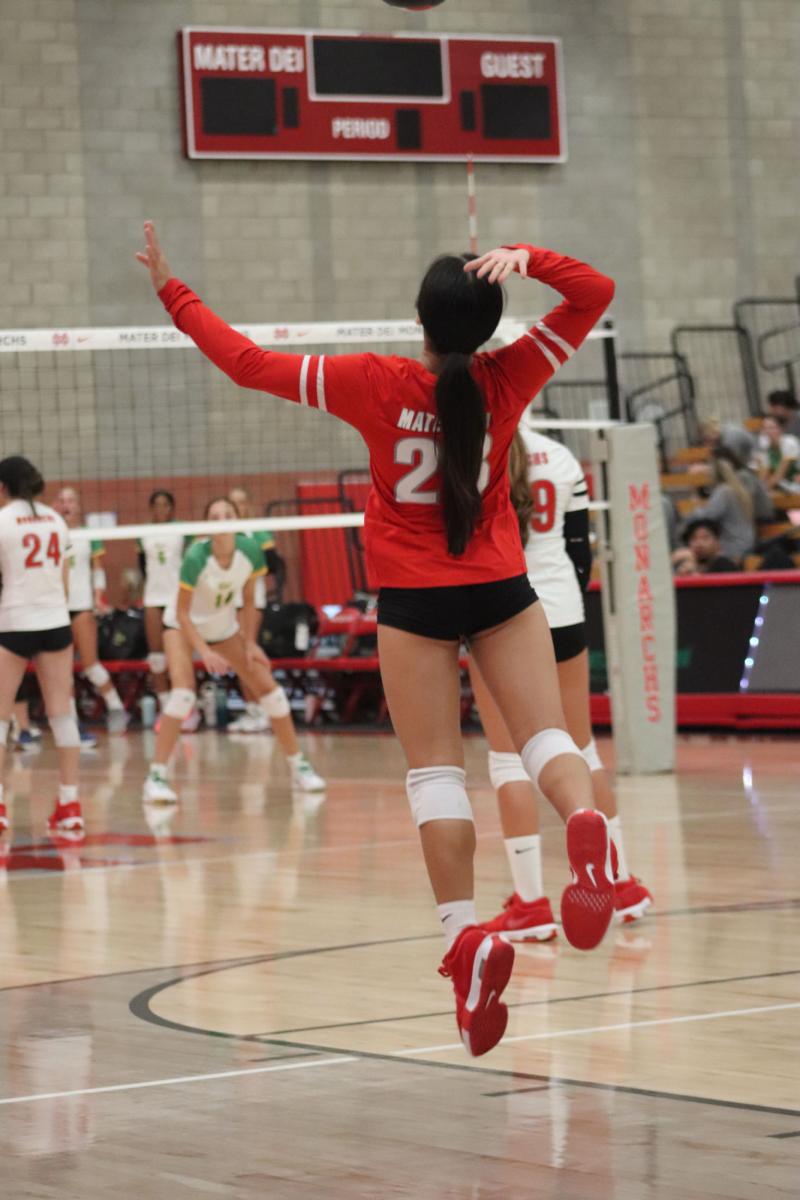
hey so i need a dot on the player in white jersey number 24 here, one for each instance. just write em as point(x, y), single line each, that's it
point(35, 627)
point(550, 496)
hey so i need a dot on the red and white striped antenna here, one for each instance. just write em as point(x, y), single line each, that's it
point(473, 216)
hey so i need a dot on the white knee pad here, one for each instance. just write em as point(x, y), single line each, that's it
point(506, 768)
point(4, 732)
point(157, 662)
point(536, 753)
point(65, 732)
point(97, 675)
point(180, 703)
point(592, 757)
point(438, 794)
point(276, 703)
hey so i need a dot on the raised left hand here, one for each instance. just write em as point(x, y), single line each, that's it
point(154, 258)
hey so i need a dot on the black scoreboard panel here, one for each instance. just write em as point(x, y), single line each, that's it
point(271, 93)
point(377, 67)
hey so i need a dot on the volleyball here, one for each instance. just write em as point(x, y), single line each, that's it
point(411, 6)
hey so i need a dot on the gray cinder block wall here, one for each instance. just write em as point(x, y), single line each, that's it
point(682, 181)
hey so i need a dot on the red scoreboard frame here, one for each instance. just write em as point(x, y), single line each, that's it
point(333, 94)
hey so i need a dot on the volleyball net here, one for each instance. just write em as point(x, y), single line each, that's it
point(119, 413)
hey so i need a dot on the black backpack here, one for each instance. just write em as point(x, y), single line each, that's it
point(120, 635)
point(287, 630)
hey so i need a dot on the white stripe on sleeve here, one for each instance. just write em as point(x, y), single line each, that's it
point(551, 358)
point(304, 379)
point(321, 385)
point(554, 337)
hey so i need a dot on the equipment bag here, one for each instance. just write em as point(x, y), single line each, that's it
point(287, 630)
point(120, 635)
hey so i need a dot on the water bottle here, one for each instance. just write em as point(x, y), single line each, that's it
point(221, 699)
point(148, 709)
point(208, 704)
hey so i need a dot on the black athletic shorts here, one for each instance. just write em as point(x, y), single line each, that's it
point(450, 613)
point(27, 643)
point(568, 641)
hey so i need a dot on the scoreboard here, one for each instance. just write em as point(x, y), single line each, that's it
point(289, 93)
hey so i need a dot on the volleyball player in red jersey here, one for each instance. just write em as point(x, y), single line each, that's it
point(443, 544)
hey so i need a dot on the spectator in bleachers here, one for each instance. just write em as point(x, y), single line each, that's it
point(700, 554)
point(778, 456)
point(736, 503)
point(784, 406)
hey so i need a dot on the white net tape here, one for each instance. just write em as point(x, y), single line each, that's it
point(165, 337)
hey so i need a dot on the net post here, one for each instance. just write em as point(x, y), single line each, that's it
point(638, 599)
point(612, 375)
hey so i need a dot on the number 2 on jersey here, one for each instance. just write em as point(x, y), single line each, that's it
point(544, 505)
point(33, 544)
point(421, 454)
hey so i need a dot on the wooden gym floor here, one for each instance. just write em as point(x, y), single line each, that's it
point(247, 1005)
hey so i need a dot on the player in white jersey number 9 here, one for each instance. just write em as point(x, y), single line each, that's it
point(35, 627)
point(550, 496)
point(216, 574)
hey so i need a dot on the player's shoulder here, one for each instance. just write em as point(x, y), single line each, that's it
point(249, 545)
point(198, 553)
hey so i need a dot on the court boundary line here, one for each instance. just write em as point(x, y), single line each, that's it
point(661, 987)
point(139, 1085)
point(562, 1033)
point(139, 1006)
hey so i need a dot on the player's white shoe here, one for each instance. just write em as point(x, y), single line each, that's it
point(304, 777)
point(117, 720)
point(253, 720)
point(156, 790)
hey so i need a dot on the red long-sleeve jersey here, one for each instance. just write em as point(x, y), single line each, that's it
point(390, 401)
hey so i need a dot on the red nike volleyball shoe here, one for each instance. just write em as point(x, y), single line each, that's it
point(587, 905)
point(479, 965)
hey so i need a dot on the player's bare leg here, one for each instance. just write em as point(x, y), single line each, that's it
point(518, 666)
point(84, 632)
point(154, 631)
point(422, 683)
point(12, 670)
point(256, 675)
point(55, 674)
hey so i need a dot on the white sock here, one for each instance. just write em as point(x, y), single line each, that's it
point(294, 760)
point(113, 702)
point(254, 709)
point(615, 833)
point(525, 860)
point(1, 793)
point(67, 793)
point(455, 916)
point(158, 771)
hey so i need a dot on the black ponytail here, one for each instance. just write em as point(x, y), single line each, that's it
point(461, 432)
point(459, 312)
point(21, 479)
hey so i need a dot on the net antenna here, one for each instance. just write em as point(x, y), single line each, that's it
point(473, 212)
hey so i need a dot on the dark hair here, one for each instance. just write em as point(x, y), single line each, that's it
point(459, 312)
point(521, 495)
point(216, 500)
point(786, 399)
point(161, 492)
point(713, 527)
point(21, 479)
